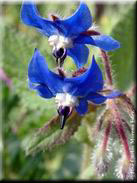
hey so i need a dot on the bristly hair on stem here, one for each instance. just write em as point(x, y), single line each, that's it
point(107, 66)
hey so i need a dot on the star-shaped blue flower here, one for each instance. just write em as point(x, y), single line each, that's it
point(69, 93)
point(68, 36)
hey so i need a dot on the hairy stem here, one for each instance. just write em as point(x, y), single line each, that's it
point(108, 69)
point(106, 136)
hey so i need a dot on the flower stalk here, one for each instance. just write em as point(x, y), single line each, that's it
point(108, 69)
point(106, 136)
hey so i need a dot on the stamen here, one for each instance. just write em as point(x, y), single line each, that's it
point(64, 113)
point(54, 17)
point(91, 33)
point(79, 72)
point(61, 72)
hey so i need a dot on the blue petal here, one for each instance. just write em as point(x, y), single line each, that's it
point(91, 80)
point(30, 16)
point(82, 108)
point(84, 39)
point(79, 22)
point(43, 90)
point(79, 53)
point(106, 43)
point(95, 98)
point(39, 73)
point(114, 94)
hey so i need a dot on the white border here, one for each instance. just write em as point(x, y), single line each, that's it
point(1, 137)
point(56, 1)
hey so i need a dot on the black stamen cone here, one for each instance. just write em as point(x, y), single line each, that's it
point(62, 122)
point(60, 56)
point(64, 114)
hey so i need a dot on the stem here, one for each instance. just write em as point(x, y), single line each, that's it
point(108, 69)
point(100, 121)
point(106, 136)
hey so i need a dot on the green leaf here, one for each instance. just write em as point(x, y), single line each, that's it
point(51, 135)
point(123, 58)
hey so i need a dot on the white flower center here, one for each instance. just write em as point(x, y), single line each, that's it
point(65, 99)
point(58, 41)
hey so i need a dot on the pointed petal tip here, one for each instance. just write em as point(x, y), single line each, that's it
point(114, 94)
point(106, 43)
point(116, 44)
point(93, 59)
point(30, 16)
point(93, 63)
point(38, 56)
point(80, 21)
point(36, 49)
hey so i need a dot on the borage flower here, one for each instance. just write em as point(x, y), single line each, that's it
point(70, 93)
point(68, 36)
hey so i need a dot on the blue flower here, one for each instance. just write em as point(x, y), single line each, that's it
point(70, 93)
point(68, 36)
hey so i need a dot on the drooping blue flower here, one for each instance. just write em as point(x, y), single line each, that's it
point(70, 93)
point(68, 36)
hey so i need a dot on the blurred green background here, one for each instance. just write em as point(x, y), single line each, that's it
point(23, 111)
